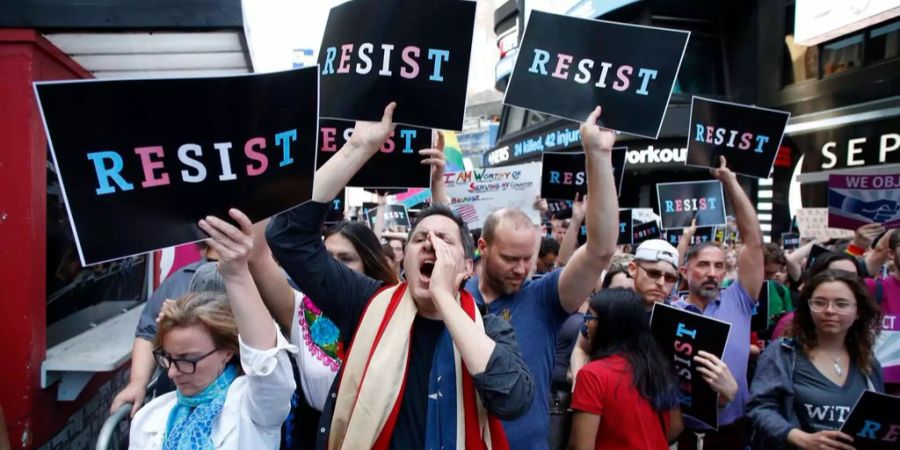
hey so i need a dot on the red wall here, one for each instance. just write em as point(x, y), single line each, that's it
point(32, 414)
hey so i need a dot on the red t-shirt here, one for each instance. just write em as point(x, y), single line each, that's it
point(628, 421)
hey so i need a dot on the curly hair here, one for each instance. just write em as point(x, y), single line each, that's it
point(860, 337)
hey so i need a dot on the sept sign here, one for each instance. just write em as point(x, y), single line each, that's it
point(141, 161)
point(414, 53)
point(681, 202)
point(567, 66)
point(855, 200)
point(563, 174)
point(747, 136)
point(397, 165)
point(680, 335)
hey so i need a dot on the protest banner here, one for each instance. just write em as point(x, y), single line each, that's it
point(396, 217)
point(140, 161)
point(563, 174)
point(813, 223)
point(873, 422)
point(626, 229)
point(703, 234)
point(336, 212)
point(646, 231)
point(790, 241)
point(856, 200)
point(397, 165)
point(680, 335)
point(681, 202)
point(477, 193)
point(567, 66)
point(747, 136)
point(414, 53)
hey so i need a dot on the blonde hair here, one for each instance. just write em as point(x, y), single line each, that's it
point(211, 311)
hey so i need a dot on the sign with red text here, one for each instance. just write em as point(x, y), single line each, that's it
point(563, 174)
point(681, 202)
point(646, 231)
point(567, 66)
point(680, 335)
point(873, 422)
point(398, 165)
point(747, 136)
point(475, 194)
point(703, 234)
point(855, 200)
point(141, 161)
point(414, 53)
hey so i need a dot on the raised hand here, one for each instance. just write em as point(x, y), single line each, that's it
point(722, 173)
point(446, 276)
point(866, 234)
point(594, 138)
point(372, 135)
point(579, 208)
point(233, 244)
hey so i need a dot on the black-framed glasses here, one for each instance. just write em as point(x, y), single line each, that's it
point(656, 274)
point(589, 317)
point(184, 365)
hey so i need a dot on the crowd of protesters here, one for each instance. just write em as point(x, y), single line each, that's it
point(289, 334)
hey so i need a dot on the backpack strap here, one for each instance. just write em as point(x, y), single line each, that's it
point(879, 291)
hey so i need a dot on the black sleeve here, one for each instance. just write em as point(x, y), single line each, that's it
point(295, 238)
point(506, 385)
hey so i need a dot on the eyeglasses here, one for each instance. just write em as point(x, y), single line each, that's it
point(185, 366)
point(656, 274)
point(590, 317)
point(840, 306)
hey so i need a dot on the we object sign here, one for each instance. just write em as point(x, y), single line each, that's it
point(855, 200)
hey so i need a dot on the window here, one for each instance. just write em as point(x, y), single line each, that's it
point(702, 68)
point(78, 297)
point(515, 120)
point(842, 55)
point(800, 62)
point(884, 42)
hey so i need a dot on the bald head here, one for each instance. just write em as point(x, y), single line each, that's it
point(510, 218)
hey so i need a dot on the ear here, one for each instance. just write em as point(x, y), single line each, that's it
point(227, 356)
point(470, 268)
point(683, 271)
point(482, 245)
point(632, 269)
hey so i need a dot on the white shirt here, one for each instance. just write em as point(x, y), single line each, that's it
point(317, 369)
point(255, 407)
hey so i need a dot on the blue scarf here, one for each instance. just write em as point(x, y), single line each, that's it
point(190, 422)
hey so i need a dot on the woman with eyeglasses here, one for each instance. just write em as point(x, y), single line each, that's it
point(806, 385)
point(227, 359)
point(626, 397)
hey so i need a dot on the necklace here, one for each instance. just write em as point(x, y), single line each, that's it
point(837, 366)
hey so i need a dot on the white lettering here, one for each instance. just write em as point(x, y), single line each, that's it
point(828, 153)
point(853, 150)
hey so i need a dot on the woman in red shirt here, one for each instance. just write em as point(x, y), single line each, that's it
point(626, 397)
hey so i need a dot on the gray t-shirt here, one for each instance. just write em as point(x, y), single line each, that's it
point(821, 404)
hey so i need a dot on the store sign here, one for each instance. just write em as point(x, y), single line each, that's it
point(857, 145)
point(371, 57)
point(817, 21)
point(567, 66)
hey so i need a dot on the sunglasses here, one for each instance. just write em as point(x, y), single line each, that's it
point(656, 274)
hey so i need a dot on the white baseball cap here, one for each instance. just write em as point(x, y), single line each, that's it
point(654, 250)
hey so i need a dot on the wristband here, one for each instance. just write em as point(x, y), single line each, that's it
point(855, 250)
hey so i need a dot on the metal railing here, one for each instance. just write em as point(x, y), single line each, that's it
point(109, 427)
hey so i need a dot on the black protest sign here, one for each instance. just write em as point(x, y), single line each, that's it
point(814, 252)
point(141, 161)
point(747, 136)
point(559, 209)
point(563, 174)
point(336, 212)
point(703, 234)
point(397, 165)
point(626, 229)
point(396, 217)
point(414, 53)
point(646, 231)
point(567, 66)
point(680, 335)
point(790, 241)
point(681, 202)
point(759, 321)
point(873, 422)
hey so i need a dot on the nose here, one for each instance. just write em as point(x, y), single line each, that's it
point(173, 371)
point(661, 281)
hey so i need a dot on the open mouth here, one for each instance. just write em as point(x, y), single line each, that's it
point(427, 268)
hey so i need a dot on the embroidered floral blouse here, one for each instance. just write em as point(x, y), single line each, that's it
point(321, 350)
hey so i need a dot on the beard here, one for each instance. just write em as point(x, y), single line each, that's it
point(706, 291)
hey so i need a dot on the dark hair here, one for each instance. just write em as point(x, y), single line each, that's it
point(773, 253)
point(441, 210)
point(623, 328)
point(370, 252)
point(824, 260)
point(695, 249)
point(548, 245)
point(611, 273)
point(894, 240)
point(861, 335)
